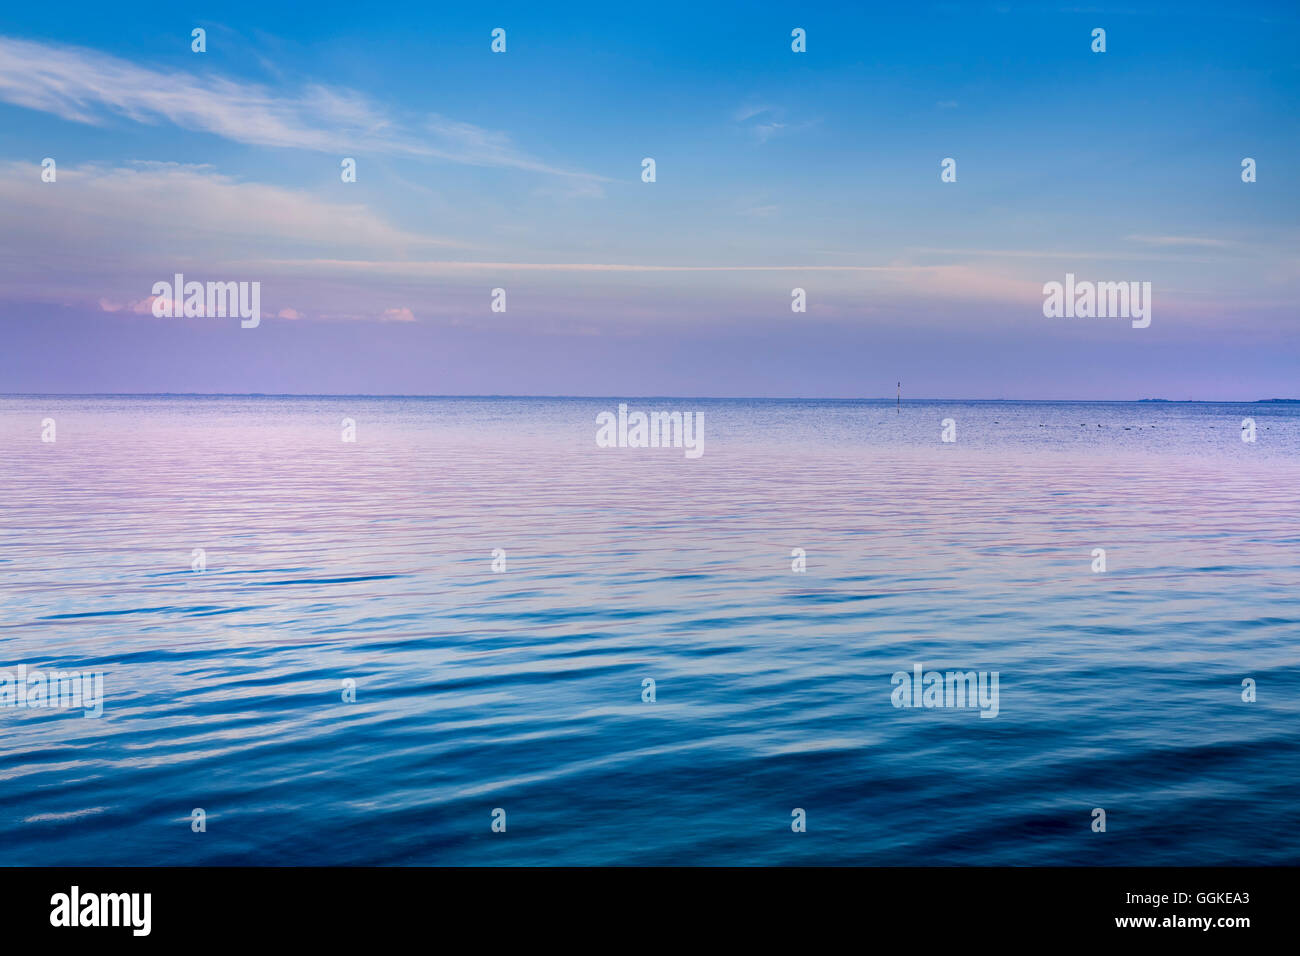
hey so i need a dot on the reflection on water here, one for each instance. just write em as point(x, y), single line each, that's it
point(372, 561)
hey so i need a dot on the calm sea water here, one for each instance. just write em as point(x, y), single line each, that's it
point(372, 561)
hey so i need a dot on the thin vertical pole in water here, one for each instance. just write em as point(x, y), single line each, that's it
point(899, 405)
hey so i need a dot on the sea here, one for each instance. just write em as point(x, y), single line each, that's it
point(356, 630)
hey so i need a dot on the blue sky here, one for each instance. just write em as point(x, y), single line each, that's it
point(774, 170)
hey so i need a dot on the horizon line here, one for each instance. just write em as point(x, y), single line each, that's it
point(747, 398)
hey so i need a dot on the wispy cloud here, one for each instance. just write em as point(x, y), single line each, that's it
point(928, 282)
point(164, 200)
point(749, 112)
point(1196, 241)
point(104, 234)
point(441, 266)
point(86, 86)
point(1048, 254)
point(764, 122)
